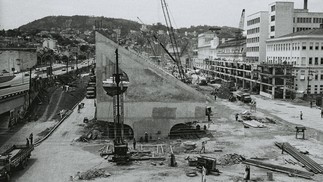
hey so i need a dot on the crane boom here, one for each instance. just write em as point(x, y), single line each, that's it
point(172, 40)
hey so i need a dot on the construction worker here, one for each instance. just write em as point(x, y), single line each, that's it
point(247, 173)
point(301, 115)
point(146, 137)
point(203, 147)
point(134, 143)
point(27, 142)
point(237, 116)
point(31, 136)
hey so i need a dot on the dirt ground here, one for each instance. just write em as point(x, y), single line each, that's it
point(60, 158)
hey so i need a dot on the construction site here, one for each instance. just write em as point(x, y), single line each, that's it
point(127, 118)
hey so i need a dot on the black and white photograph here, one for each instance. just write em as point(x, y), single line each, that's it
point(161, 90)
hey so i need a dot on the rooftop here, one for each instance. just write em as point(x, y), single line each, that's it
point(318, 31)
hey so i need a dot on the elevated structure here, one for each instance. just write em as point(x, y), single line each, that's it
point(154, 102)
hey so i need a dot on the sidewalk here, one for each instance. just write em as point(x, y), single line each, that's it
point(291, 113)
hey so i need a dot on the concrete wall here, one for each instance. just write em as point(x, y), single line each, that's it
point(154, 101)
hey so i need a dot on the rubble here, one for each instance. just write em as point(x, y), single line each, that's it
point(92, 174)
point(230, 159)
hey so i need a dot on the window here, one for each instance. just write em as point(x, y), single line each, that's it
point(273, 8)
point(321, 78)
point(272, 28)
point(317, 46)
point(321, 60)
point(310, 60)
point(316, 78)
point(272, 18)
point(316, 61)
point(304, 46)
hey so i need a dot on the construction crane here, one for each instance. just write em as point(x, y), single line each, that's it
point(241, 23)
point(171, 33)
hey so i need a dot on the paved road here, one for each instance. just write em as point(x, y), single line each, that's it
point(291, 113)
point(56, 159)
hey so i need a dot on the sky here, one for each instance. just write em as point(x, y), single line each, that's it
point(184, 13)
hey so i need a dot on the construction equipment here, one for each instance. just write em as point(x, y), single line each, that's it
point(115, 87)
point(176, 57)
point(209, 163)
point(14, 158)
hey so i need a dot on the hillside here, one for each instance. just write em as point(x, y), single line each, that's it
point(80, 23)
point(86, 23)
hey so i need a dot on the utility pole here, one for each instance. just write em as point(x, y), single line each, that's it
point(29, 100)
point(310, 73)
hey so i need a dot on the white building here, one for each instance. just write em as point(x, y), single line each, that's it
point(304, 50)
point(280, 19)
point(257, 34)
point(207, 43)
point(50, 43)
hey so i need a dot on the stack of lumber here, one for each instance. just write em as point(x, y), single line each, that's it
point(305, 160)
point(278, 168)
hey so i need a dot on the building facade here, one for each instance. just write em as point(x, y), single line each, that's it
point(281, 19)
point(17, 59)
point(303, 50)
point(49, 43)
point(257, 34)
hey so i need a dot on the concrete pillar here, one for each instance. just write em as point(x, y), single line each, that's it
point(273, 88)
point(284, 89)
point(243, 84)
point(261, 87)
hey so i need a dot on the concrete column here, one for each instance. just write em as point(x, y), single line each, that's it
point(243, 84)
point(261, 87)
point(284, 89)
point(273, 88)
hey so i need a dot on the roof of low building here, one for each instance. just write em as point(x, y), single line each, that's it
point(317, 31)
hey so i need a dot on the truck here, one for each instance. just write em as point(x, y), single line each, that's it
point(14, 158)
point(243, 97)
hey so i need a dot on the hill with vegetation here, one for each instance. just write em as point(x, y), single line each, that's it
point(87, 22)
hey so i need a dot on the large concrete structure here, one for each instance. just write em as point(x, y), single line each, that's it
point(154, 102)
point(303, 50)
point(17, 59)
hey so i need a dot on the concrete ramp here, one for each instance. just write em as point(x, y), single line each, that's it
point(155, 100)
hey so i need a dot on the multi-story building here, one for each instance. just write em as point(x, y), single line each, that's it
point(303, 50)
point(257, 34)
point(281, 19)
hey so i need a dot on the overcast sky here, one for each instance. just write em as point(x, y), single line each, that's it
point(184, 13)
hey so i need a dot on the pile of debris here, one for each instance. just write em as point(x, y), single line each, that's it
point(230, 159)
point(92, 174)
point(223, 92)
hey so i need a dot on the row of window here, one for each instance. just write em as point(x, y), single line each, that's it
point(253, 40)
point(295, 46)
point(307, 20)
point(303, 20)
point(252, 31)
point(317, 20)
point(253, 21)
point(298, 29)
point(252, 49)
